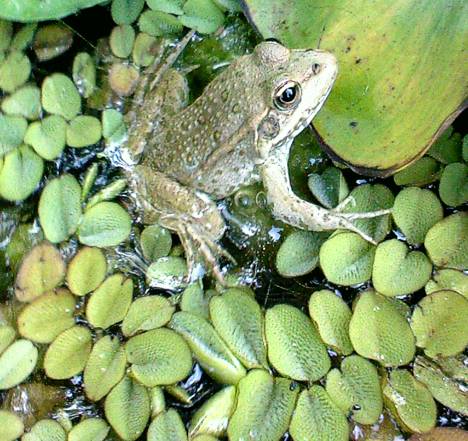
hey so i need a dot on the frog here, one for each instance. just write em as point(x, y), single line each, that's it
point(183, 158)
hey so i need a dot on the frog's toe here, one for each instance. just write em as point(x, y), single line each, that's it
point(203, 251)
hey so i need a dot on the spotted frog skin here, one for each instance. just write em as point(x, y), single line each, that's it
point(239, 131)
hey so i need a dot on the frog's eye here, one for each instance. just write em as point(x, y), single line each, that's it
point(287, 96)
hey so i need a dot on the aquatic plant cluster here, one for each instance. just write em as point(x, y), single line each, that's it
point(89, 351)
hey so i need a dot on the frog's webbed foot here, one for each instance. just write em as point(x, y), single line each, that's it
point(201, 251)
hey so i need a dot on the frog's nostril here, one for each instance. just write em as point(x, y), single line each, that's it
point(316, 68)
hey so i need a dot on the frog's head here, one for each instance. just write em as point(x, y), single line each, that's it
point(296, 84)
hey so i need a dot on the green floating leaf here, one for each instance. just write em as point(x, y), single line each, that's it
point(109, 192)
point(144, 49)
point(208, 348)
point(158, 24)
point(47, 316)
point(104, 368)
point(60, 208)
point(16, 363)
point(445, 389)
point(167, 272)
point(294, 346)
point(212, 417)
point(452, 280)
point(331, 315)
point(11, 425)
point(126, 11)
point(155, 242)
point(60, 96)
point(346, 259)
point(317, 418)
point(36, 10)
point(398, 271)
point(238, 319)
point(14, 71)
point(196, 301)
point(121, 40)
point(68, 353)
point(25, 101)
point(410, 401)
point(415, 211)
point(45, 430)
point(86, 271)
point(158, 401)
point(447, 148)
point(20, 173)
point(372, 121)
point(104, 225)
point(23, 38)
point(90, 429)
point(24, 238)
point(52, 40)
point(447, 242)
point(299, 253)
point(127, 409)
point(7, 336)
point(202, 15)
point(84, 74)
point(355, 389)
point(371, 197)
point(110, 302)
point(169, 6)
point(264, 407)
point(439, 324)
point(329, 188)
point(422, 172)
point(159, 357)
point(47, 136)
point(112, 121)
point(12, 131)
point(167, 426)
point(146, 313)
point(379, 331)
point(6, 32)
point(453, 188)
point(42, 270)
point(83, 130)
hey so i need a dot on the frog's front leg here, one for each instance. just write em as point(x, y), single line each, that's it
point(192, 215)
point(294, 211)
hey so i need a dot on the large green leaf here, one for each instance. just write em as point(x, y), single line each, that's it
point(402, 71)
point(37, 10)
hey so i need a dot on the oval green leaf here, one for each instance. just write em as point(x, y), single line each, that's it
point(104, 368)
point(379, 331)
point(68, 353)
point(104, 225)
point(127, 409)
point(294, 346)
point(237, 318)
point(208, 348)
point(60, 208)
point(110, 302)
point(47, 316)
point(16, 363)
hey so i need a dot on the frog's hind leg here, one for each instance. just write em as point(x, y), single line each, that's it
point(192, 215)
